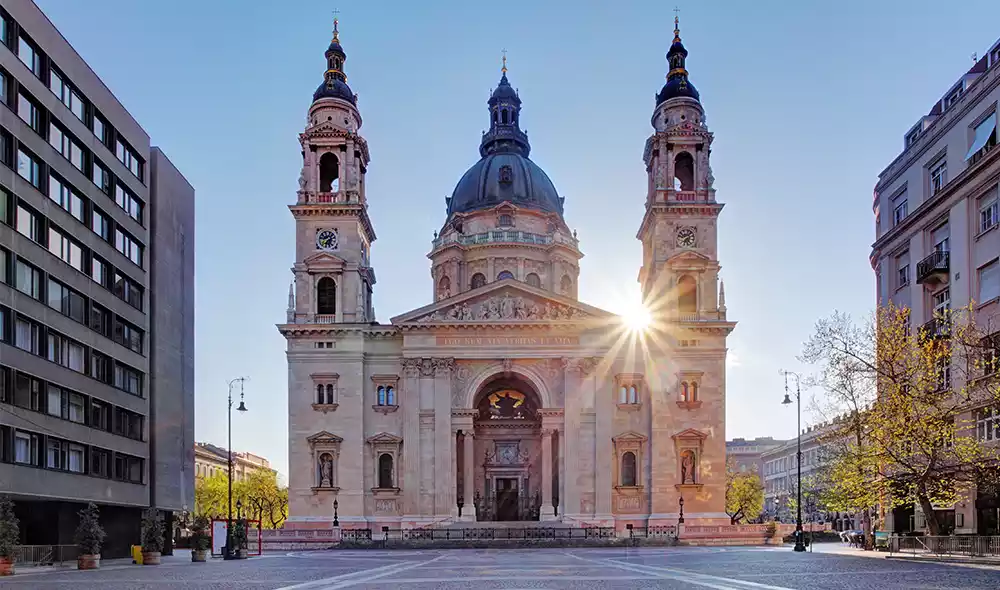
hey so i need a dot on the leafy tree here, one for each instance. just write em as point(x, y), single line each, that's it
point(211, 495)
point(9, 528)
point(744, 495)
point(904, 396)
point(260, 494)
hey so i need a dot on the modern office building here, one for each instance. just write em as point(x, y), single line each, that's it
point(937, 240)
point(96, 300)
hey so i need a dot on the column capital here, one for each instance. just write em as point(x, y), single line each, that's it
point(443, 366)
point(548, 432)
point(426, 367)
point(411, 367)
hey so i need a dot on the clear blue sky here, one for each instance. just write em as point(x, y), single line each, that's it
point(808, 104)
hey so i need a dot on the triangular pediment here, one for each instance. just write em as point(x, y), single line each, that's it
point(506, 301)
point(689, 259)
point(690, 434)
point(324, 261)
point(327, 127)
point(630, 436)
point(384, 438)
point(324, 437)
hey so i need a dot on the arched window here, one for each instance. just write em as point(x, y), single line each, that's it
point(385, 470)
point(633, 395)
point(494, 117)
point(685, 393)
point(326, 296)
point(566, 285)
point(533, 280)
point(694, 391)
point(329, 173)
point(505, 220)
point(623, 395)
point(687, 295)
point(381, 395)
point(329, 393)
point(478, 280)
point(319, 394)
point(503, 116)
point(390, 396)
point(505, 274)
point(684, 172)
point(628, 469)
point(444, 288)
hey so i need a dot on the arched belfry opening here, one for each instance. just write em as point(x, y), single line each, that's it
point(329, 173)
point(684, 172)
point(687, 295)
point(507, 463)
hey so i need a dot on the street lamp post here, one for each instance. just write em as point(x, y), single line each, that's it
point(229, 554)
point(799, 544)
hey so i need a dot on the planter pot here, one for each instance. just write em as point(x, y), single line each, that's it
point(241, 554)
point(88, 561)
point(150, 558)
point(199, 555)
point(6, 566)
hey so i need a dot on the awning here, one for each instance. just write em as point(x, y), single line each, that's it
point(984, 131)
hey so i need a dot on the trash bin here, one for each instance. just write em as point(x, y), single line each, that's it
point(137, 554)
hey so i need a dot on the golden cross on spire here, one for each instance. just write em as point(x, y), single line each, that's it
point(504, 68)
point(677, 26)
point(336, 34)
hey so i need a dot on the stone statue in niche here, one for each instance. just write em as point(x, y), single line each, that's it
point(303, 179)
point(325, 471)
point(687, 467)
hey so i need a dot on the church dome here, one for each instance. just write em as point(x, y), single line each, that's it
point(334, 88)
point(504, 172)
point(505, 176)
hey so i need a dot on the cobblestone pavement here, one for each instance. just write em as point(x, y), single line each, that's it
point(576, 569)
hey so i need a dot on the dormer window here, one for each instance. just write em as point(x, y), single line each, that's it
point(505, 220)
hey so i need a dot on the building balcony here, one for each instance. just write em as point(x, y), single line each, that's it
point(341, 197)
point(936, 328)
point(933, 269)
point(504, 236)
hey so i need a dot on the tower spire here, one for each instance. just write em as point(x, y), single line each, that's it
point(336, 33)
point(677, 26)
point(334, 79)
point(503, 70)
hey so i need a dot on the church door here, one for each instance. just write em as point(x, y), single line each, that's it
point(506, 498)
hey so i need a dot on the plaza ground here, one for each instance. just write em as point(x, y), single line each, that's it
point(736, 568)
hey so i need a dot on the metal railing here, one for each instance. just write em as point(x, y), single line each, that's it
point(28, 555)
point(936, 263)
point(388, 536)
point(963, 545)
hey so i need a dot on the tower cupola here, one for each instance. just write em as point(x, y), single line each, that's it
point(505, 133)
point(677, 84)
point(335, 80)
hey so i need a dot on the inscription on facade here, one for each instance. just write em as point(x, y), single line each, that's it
point(508, 341)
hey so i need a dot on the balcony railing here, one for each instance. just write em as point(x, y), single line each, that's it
point(504, 236)
point(934, 268)
point(341, 197)
point(936, 328)
point(686, 196)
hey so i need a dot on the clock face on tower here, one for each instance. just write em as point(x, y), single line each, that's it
point(686, 237)
point(326, 239)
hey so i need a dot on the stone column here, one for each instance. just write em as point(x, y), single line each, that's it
point(444, 459)
point(548, 513)
point(339, 309)
point(520, 269)
point(570, 497)
point(409, 399)
point(603, 463)
point(469, 476)
point(490, 270)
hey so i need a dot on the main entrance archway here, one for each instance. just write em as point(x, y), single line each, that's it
point(507, 450)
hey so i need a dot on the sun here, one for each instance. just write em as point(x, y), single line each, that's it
point(636, 317)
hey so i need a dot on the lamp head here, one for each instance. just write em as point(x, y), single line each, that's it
point(242, 407)
point(785, 401)
point(239, 504)
point(681, 500)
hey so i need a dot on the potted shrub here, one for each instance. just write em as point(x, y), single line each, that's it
point(89, 537)
point(152, 536)
point(200, 539)
point(240, 538)
point(9, 536)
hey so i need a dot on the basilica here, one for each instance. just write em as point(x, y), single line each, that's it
point(505, 397)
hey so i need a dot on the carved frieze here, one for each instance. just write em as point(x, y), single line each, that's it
point(411, 367)
point(504, 307)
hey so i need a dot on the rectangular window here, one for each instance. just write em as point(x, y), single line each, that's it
point(28, 279)
point(28, 168)
point(66, 352)
point(988, 214)
point(984, 138)
point(128, 202)
point(63, 195)
point(76, 458)
point(128, 379)
point(128, 290)
point(125, 244)
point(942, 301)
point(67, 146)
point(989, 281)
point(5, 207)
point(988, 424)
point(29, 56)
point(100, 415)
point(26, 448)
point(28, 393)
point(100, 129)
point(101, 177)
point(55, 401)
point(100, 320)
point(100, 367)
point(29, 112)
point(128, 424)
point(128, 157)
point(66, 249)
point(939, 176)
point(69, 97)
point(100, 462)
point(28, 224)
point(28, 336)
point(55, 456)
point(99, 271)
point(99, 224)
point(66, 301)
point(128, 468)
point(902, 270)
point(899, 211)
point(128, 335)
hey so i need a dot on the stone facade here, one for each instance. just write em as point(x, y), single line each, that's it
point(506, 398)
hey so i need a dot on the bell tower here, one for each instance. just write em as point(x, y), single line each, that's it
point(333, 273)
point(680, 269)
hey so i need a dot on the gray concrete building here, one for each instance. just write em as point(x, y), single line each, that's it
point(937, 247)
point(96, 298)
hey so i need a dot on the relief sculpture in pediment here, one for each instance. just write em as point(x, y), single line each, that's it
point(504, 307)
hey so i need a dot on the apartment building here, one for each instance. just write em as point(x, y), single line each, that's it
point(780, 475)
point(210, 460)
point(96, 298)
point(937, 239)
point(745, 455)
